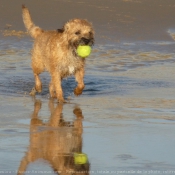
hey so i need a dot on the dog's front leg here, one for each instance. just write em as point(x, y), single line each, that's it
point(79, 75)
point(56, 81)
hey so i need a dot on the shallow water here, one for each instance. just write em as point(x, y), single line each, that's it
point(127, 105)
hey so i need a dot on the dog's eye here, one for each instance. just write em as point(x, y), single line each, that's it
point(90, 33)
point(77, 33)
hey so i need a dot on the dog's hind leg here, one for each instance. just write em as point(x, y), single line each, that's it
point(37, 67)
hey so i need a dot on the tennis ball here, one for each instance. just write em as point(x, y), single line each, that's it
point(83, 51)
point(80, 158)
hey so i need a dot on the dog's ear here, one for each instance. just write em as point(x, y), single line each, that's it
point(60, 30)
point(66, 27)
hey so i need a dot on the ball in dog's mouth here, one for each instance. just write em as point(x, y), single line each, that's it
point(83, 51)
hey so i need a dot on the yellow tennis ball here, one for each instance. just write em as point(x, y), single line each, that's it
point(80, 158)
point(83, 51)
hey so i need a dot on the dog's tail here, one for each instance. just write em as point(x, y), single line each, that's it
point(33, 30)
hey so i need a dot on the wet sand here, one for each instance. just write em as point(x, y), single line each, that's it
point(125, 119)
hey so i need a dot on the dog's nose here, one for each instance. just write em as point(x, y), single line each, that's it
point(85, 40)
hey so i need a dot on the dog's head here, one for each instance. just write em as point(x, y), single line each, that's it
point(78, 32)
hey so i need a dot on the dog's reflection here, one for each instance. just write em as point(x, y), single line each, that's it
point(55, 141)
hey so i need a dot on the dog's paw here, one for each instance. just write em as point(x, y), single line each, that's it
point(33, 92)
point(53, 95)
point(38, 88)
point(62, 101)
point(78, 91)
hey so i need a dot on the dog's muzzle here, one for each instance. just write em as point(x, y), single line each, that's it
point(87, 41)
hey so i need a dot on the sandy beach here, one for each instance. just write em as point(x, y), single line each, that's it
point(124, 120)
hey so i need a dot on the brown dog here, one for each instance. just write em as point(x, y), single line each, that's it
point(55, 51)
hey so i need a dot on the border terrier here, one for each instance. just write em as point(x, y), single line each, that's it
point(55, 52)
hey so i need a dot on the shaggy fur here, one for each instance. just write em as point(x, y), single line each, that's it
point(55, 52)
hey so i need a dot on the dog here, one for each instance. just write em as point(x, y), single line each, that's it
point(55, 141)
point(56, 52)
